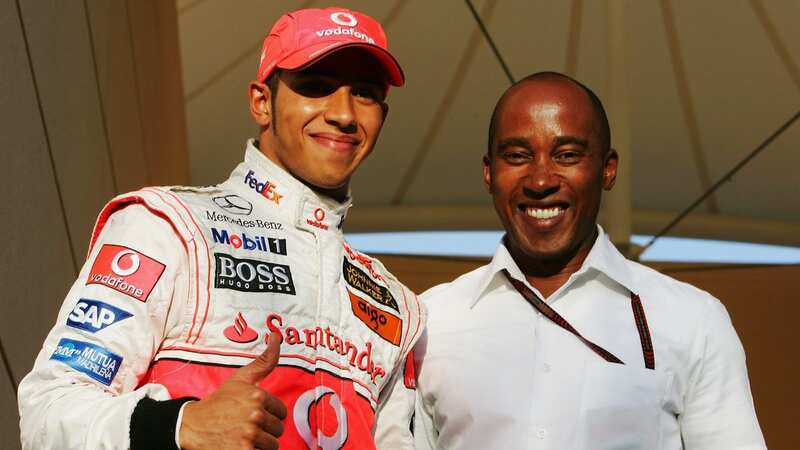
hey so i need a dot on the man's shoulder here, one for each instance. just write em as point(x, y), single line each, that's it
point(659, 288)
point(459, 290)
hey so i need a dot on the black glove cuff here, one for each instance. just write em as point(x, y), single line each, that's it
point(153, 423)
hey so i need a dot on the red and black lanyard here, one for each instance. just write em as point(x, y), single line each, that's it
point(550, 313)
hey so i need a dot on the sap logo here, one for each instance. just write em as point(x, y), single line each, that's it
point(267, 190)
point(269, 245)
point(94, 315)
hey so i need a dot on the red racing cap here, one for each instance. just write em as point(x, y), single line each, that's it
point(302, 37)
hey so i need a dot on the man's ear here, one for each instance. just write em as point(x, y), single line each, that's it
point(610, 162)
point(487, 173)
point(385, 110)
point(260, 104)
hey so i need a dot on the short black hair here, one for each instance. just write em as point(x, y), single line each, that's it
point(597, 105)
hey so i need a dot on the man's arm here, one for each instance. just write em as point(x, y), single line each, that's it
point(719, 410)
point(393, 419)
point(82, 390)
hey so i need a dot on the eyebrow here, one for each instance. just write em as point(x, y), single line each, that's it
point(566, 140)
point(513, 142)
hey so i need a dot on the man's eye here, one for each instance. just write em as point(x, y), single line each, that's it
point(568, 156)
point(314, 88)
point(515, 157)
point(368, 93)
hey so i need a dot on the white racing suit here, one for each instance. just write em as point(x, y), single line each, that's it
point(182, 286)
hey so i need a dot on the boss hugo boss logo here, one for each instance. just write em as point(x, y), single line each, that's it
point(234, 204)
point(94, 315)
point(125, 270)
point(243, 241)
point(306, 403)
point(251, 275)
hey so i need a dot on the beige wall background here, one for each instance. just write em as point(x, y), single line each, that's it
point(91, 105)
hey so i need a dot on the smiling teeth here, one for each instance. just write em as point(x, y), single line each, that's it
point(548, 213)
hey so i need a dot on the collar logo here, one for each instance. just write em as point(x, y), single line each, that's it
point(319, 217)
point(344, 19)
point(267, 189)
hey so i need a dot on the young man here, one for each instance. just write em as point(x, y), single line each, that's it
point(161, 341)
point(560, 342)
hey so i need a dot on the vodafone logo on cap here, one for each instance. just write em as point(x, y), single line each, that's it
point(344, 19)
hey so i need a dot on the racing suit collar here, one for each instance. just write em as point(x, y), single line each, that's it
point(603, 257)
point(264, 182)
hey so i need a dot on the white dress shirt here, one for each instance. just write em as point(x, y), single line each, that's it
point(493, 373)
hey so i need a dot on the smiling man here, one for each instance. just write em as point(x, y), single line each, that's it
point(560, 342)
point(236, 316)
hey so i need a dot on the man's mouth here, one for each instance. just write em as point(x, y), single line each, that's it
point(544, 213)
point(336, 141)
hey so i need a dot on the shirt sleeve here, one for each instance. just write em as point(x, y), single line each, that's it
point(719, 410)
point(393, 419)
point(425, 433)
point(85, 383)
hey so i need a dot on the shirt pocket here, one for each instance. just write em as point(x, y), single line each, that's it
point(621, 407)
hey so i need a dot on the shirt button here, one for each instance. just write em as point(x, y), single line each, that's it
point(541, 433)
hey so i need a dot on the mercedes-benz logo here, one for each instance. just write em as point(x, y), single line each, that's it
point(234, 204)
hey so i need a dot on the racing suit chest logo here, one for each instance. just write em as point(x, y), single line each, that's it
point(252, 275)
point(358, 279)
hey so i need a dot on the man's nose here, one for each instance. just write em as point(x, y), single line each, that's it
point(542, 180)
point(340, 111)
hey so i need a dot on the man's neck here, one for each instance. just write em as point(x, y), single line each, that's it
point(548, 275)
point(339, 194)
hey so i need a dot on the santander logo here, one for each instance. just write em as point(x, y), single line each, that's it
point(240, 332)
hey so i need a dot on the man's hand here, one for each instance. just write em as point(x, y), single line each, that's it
point(238, 415)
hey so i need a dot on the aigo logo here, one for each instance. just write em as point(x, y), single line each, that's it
point(344, 19)
point(302, 420)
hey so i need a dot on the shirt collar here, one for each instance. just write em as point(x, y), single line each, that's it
point(264, 181)
point(603, 257)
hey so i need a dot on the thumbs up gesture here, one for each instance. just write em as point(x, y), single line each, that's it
point(238, 415)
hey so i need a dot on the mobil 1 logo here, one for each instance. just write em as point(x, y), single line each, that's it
point(252, 275)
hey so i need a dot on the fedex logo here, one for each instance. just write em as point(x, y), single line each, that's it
point(94, 315)
point(266, 189)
